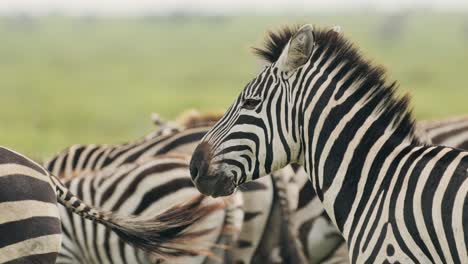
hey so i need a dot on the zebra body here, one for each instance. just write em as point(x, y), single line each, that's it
point(320, 104)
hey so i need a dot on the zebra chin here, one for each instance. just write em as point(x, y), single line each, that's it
point(215, 185)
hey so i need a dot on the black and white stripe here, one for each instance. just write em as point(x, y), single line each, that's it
point(320, 104)
point(30, 222)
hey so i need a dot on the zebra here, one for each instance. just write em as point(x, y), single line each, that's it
point(30, 221)
point(251, 247)
point(321, 104)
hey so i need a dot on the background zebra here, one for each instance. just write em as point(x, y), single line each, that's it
point(30, 222)
point(319, 103)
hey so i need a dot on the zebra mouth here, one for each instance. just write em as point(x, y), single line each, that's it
point(225, 186)
point(215, 185)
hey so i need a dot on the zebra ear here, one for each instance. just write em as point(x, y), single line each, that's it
point(298, 50)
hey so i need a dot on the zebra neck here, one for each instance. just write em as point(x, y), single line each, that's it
point(348, 131)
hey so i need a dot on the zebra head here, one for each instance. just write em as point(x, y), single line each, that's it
point(256, 135)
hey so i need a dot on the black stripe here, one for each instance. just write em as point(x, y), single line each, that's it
point(253, 186)
point(439, 139)
point(151, 144)
point(17, 231)
point(281, 131)
point(269, 144)
point(161, 191)
point(89, 155)
point(236, 148)
point(98, 157)
point(448, 209)
point(50, 165)
point(251, 215)
point(7, 156)
point(306, 195)
point(243, 243)
point(77, 155)
point(182, 140)
point(22, 187)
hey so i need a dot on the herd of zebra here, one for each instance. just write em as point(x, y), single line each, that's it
point(351, 178)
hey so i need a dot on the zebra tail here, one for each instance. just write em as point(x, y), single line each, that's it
point(165, 235)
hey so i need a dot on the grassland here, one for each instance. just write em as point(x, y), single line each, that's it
point(84, 80)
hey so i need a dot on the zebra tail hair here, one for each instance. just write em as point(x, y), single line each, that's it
point(165, 235)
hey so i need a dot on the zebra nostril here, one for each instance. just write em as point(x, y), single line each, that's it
point(200, 161)
point(194, 172)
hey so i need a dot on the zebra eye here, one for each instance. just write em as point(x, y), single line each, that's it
point(250, 104)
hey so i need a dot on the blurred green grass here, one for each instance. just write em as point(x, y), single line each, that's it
point(95, 80)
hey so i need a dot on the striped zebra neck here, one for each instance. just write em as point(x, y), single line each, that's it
point(345, 107)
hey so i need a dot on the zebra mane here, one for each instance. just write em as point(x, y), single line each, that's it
point(274, 43)
point(373, 77)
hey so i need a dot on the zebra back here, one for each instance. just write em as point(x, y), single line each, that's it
point(451, 132)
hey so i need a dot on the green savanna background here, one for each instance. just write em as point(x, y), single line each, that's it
point(68, 80)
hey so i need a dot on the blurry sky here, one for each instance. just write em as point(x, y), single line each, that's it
point(137, 7)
